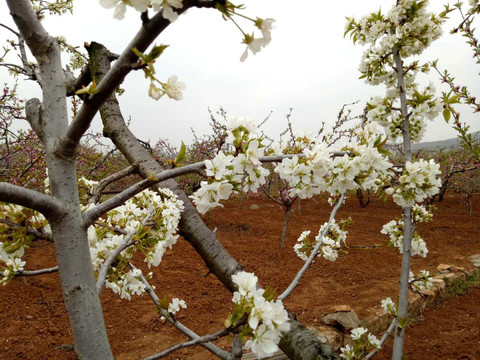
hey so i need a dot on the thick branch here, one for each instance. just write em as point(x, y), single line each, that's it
point(43, 203)
point(109, 83)
point(299, 343)
point(31, 29)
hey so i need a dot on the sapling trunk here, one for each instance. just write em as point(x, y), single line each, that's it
point(288, 214)
point(407, 217)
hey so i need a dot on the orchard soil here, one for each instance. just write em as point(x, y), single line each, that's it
point(34, 324)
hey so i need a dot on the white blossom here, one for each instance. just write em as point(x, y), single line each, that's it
point(167, 8)
point(264, 343)
point(173, 88)
point(358, 332)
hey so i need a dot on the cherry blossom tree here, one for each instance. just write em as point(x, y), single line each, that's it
point(96, 239)
point(69, 222)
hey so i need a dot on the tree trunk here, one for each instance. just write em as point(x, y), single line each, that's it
point(288, 213)
point(49, 119)
point(397, 353)
point(300, 343)
point(362, 202)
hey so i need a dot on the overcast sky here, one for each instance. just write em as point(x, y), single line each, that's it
point(308, 65)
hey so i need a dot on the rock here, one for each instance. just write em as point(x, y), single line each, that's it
point(254, 207)
point(448, 278)
point(443, 267)
point(329, 334)
point(429, 295)
point(415, 302)
point(439, 284)
point(347, 320)
point(475, 259)
point(379, 321)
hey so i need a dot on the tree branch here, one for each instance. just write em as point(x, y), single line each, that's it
point(222, 354)
point(94, 213)
point(296, 280)
point(97, 191)
point(36, 272)
point(109, 83)
point(43, 203)
point(200, 340)
point(392, 326)
point(127, 241)
point(39, 234)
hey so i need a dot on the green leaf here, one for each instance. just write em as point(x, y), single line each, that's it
point(454, 99)
point(384, 151)
point(181, 154)
point(446, 115)
point(163, 303)
point(139, 54)
point(156, 52)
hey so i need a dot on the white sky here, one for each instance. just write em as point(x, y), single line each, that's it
point(308, 66)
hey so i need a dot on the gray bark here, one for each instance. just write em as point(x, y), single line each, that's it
point(288, 214)
point(299, 343)
point(50, 120)
point(407, 217)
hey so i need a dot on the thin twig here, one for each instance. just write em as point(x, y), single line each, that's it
point(296, 280)
point(41, 234)
point(203, 339)
point(127, 241)
point(36, 272)
point(392, 326)
point(222, 354)
point(97, 191)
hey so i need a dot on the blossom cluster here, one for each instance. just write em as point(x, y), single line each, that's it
point(266, 318)
point(174, 307)
point(410, 28)
point(152, 239)
point(331, 240)
point(167, 6)
point(363, 341)
point(256, 44)
point(418, 181)
point(422, 281)
point(424, 106)
point(318, 168)
point(394, 229)
point(147, 222)
point(337, 169)
point(172, 88)
point(15, 239)
point(229, 173)
point(389, 306)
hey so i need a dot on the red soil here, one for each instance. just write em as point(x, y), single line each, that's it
point(34, 321)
